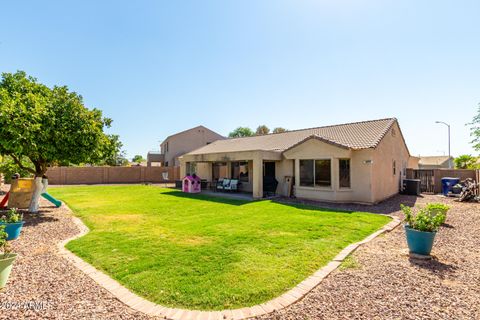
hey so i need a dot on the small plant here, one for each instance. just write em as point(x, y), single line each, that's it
point(11, 216)
point(425, 219)
point(4, 248)
point(438, 208)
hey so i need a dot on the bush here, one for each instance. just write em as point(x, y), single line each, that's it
point(3, 240)
point(427, 219)
point(11, 216)
point(438, 208)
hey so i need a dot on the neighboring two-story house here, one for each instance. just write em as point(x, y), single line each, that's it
point(181, 143)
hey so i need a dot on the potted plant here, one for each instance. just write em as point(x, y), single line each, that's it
point(6, 258)
point(13, 222)
point(422, 226)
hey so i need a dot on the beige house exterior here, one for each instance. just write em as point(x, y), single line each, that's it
point(361, 162)
point(180, 143)
point(435, 162)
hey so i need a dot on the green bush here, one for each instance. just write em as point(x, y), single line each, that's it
point(438, 208)
point(3, 240)
point(428, 218)
point(11, 216)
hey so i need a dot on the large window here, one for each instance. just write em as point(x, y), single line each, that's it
point(344, 173)
point(240, 171)
point(306, 173)
point(315, 173)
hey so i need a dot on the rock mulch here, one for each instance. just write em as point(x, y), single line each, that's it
point(383, 283)
point(45, 285)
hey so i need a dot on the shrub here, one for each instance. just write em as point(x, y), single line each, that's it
point(3, 240)
point(11, 216)
point(438, 208)
point(427, 219)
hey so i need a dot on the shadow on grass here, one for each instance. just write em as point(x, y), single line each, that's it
point(203, 197)
point(388, 206)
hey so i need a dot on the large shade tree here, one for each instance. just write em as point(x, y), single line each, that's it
point(241, 132)
point(49, 126)
point(262, 130)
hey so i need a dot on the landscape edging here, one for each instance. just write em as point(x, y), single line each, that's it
point(142, 305)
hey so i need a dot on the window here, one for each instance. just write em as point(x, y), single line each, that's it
point(315, 173)
point(394, 167)
point(344, 173)
point(166, 163)
point(323, 177)
point(240, 171)
point(306, 173)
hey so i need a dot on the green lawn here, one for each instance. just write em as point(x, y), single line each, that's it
point(207, 253)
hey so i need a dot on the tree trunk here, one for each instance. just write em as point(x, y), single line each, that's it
point(37, 192)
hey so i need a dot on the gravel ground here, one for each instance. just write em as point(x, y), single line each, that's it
point(44, 285)
point(382, 284)
point(385, 284)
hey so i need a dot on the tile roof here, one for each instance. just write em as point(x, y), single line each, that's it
point(432, 160)
point(357, 135)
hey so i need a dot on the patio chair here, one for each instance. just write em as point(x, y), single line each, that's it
point(233, 186)
point(219, 185)
point(224, 185)
point(165, 177)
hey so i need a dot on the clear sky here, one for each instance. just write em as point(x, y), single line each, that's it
point(159, 67)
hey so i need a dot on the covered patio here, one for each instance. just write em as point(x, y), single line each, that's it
point(249, 167)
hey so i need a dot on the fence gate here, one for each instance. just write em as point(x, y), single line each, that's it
point(427, 180)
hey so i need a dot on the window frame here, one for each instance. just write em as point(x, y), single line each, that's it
point(349, 174)
point(315, 186)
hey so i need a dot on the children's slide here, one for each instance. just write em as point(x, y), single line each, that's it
point(56, 202)
point(3, 204)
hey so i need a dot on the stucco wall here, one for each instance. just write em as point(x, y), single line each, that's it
point(360, 172)
point(391, 148)
point(106, 175)
point(188, 141)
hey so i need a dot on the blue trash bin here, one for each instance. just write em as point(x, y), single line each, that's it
point(448, 183)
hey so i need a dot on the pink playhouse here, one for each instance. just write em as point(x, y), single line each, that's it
point(191, 184)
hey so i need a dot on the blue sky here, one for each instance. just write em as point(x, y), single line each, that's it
point(158, 67)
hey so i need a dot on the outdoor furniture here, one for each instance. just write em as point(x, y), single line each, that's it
point(233, 186)
point(221, 184)
point(165, 177)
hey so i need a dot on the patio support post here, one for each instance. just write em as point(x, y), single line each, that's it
point(257, 177)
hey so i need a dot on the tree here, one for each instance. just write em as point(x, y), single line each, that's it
point(465, 161)
point(241, 132)
point(475, 130)
point(48, 126)
point(9, 167)
point(279, 130)
point(138, 159)
point(262, 130)
point(117, 157)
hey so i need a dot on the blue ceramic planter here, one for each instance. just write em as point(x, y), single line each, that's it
point(13, 229)
point(419, 242)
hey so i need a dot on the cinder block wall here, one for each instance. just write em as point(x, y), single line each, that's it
point(106, 175)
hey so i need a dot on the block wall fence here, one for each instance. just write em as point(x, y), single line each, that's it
point(110, 175)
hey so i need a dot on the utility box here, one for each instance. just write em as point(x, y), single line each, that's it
point(287, 186)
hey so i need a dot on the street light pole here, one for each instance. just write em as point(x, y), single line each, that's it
point(449, 160)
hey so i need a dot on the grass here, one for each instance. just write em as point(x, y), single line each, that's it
point(207, 253)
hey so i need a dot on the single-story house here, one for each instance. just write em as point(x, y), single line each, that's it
point(435, 162)
point(360, 162)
